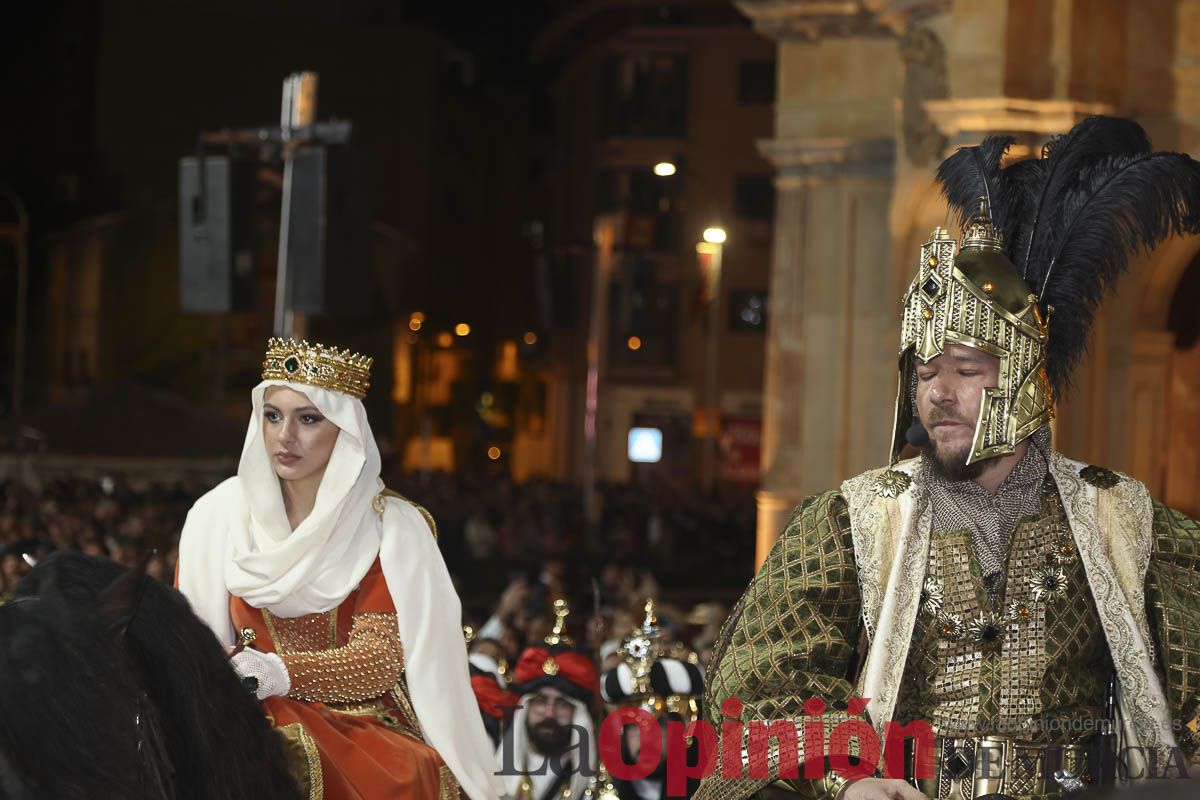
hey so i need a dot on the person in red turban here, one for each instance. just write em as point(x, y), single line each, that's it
point(549, 750)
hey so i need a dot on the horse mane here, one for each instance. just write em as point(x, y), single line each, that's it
point(218, 741)
point(66, 707)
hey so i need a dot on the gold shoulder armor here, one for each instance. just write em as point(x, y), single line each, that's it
point(379, 504)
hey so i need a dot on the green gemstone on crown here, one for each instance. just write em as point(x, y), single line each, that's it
point(291, 364)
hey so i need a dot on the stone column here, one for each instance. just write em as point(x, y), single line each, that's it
point(1145, 450)
point(830, 367)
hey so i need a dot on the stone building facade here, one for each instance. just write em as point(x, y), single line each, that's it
point(634, 85)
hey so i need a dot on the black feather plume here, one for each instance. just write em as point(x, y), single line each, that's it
point(1072, 219)
point(1109, 210)
point(1020, 185)
point(1064, 157)
point(971, 173)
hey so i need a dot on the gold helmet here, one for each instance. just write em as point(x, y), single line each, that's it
point(654, 675)
point(973, 296)
point(1070, 220)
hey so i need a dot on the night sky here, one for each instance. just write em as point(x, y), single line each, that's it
point(53, 54)
point(451, 121)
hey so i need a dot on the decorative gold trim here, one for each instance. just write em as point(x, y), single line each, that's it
point(376, 709)
point(270, 623)
point(447, 784)
point(269, 619)
point(379, 504)
point(410, 724)
point(429, 520)
point(295, 732)
point(1113, 535)
point(891, 546)
point(370, 708)
point(892, 483)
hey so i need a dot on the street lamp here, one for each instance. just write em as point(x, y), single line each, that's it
point(709, 253)
point(664, 169)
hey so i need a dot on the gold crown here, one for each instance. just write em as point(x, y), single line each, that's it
point(317, 365)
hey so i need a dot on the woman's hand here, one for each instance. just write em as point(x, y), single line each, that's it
point(264, 673)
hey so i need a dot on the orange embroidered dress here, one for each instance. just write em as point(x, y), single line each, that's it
point(348, 705)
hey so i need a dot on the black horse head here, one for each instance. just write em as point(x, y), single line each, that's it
point(113, 688)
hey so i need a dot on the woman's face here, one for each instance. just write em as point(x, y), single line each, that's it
point(298, 438)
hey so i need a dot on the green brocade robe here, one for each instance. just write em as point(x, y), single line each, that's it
point(800, 631)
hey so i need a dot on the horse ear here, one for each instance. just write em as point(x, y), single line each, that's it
point(118, 604)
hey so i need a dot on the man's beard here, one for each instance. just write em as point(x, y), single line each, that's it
point(951, 465)
point(548, 737)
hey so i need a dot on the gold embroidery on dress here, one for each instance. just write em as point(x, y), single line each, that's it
point(304, 634)
point(303, 760)
point(378, 710)
point(365, 668)
point(404, 702)
point(447, 784)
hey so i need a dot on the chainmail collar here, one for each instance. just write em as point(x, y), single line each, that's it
point(965, 505)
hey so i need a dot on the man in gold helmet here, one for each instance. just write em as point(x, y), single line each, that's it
point(1042, 616)
point(663, 681)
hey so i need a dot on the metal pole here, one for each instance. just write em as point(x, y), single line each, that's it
point(604, 235)
point(283, 293)
point(298, 110)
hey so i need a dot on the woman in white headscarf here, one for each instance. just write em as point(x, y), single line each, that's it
point(358, 653)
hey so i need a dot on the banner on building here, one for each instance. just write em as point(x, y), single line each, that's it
point(741, 448)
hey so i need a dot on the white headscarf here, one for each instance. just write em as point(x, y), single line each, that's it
point(237, 541)
point(315, 567)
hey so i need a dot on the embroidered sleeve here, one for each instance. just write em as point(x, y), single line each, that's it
point(1173, 606)
point(792, 636)
point(368, 666)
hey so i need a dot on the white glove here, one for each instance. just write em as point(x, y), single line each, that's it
point(267, 669)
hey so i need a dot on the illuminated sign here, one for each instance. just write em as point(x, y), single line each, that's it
point(645, 445)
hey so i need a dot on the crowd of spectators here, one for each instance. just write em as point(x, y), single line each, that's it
point(512, 548)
